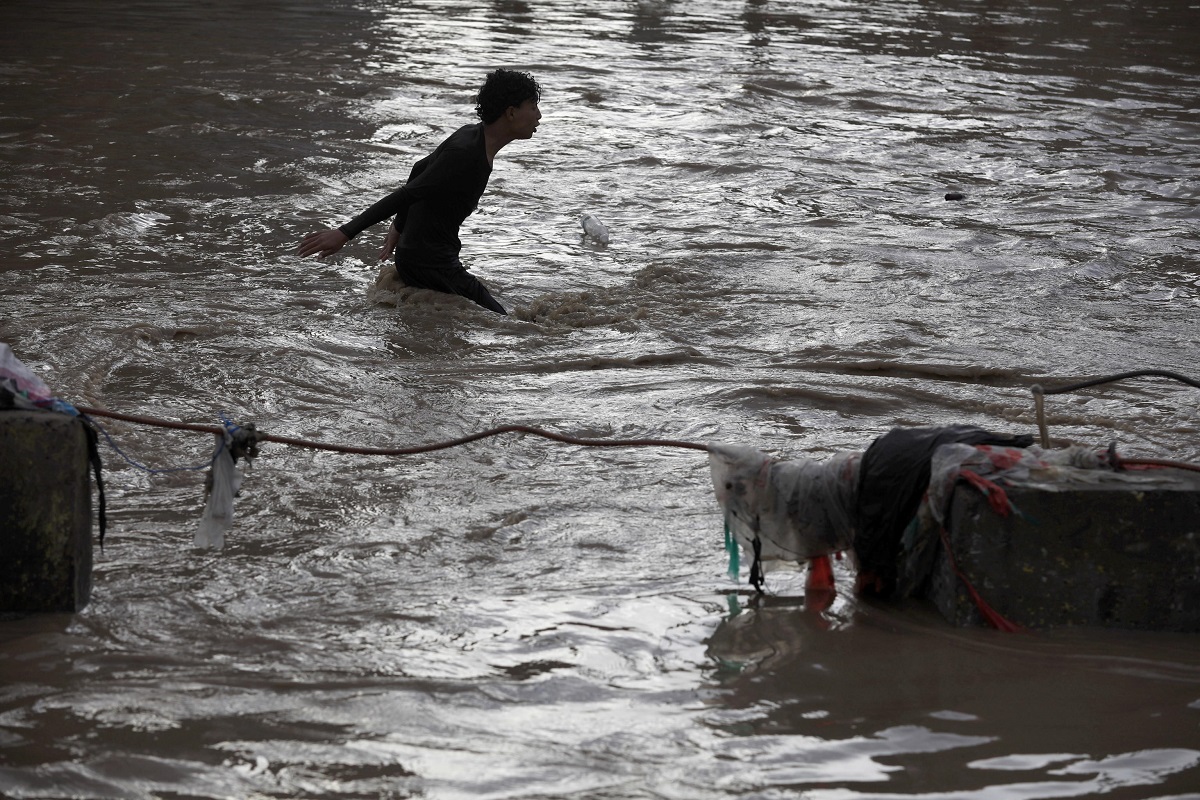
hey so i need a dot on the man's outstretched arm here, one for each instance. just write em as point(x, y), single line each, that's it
point(323, 243)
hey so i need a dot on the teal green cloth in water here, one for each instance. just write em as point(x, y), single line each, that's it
point(731, 547)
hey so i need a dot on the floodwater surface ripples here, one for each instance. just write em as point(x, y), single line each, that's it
point(518, 618)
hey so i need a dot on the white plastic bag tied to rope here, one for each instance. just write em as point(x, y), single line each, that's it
point(24, 389)
point(218, 511)
point(784, 510)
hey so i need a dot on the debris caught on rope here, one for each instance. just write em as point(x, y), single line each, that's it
point(20, 388)
point(789, 511)
point(797, 511)
point(242, 441)
point(235, 442)
point(876, 505)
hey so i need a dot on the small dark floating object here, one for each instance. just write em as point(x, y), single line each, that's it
point(954, 195)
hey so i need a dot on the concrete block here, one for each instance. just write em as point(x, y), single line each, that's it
point(1122, 552)
point(45, 513)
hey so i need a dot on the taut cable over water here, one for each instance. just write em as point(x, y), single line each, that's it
point(396, 451)
point(256, 436)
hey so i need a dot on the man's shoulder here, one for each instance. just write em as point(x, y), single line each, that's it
point(465, 138)
point(460, 151)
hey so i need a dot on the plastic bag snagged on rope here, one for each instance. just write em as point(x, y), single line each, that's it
point(21, 388)
point(784, 510)
point(226, 479)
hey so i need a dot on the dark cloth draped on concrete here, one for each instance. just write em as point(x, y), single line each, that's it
point(892, 479)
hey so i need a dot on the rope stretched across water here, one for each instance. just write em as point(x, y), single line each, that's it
point(474, 437)
point(1039, 402)
point(257, 436)
point(250, 437)
point(397, 451)
point(1137, 373)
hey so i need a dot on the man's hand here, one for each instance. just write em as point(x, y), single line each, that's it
point(323, 243)
point(389, 245)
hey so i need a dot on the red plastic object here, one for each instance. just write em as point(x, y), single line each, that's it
point(820, 574)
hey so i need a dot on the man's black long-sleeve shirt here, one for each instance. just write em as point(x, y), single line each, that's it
point(442, 191)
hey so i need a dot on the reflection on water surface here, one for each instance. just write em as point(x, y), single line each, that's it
point(519, 618)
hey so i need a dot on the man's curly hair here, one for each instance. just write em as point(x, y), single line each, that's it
point(504, 88)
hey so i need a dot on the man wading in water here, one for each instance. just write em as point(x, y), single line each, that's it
point(442, 189)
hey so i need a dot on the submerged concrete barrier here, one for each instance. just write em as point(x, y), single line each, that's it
point(45, 512)
point(1118, 550)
